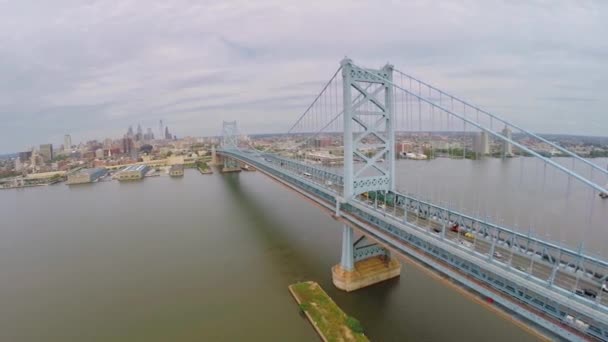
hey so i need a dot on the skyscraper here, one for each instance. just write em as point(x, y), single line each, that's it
point(67, 142)
point(481, 145)
point(46, 151)
point(127, 145)
point(140, 133)
point(161, 129)
point(168, 135)
point(149, 135)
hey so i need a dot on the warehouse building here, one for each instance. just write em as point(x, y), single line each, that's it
point(133, 172)
point(86, 176)
point(176, 170)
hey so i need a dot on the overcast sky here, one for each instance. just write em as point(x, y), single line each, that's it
point(92, 68)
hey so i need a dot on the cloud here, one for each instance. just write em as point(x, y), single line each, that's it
point(93, 68)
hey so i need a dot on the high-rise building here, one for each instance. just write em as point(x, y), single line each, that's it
point(127, 145)
point(161, 129)
point(67, 142)
point(130, 132)
point(25, 156)
point(481, 144)
point(168, 135)
point(18, 165)
point(140, 133)
point(46, 151)
point(149, 135)
point(507, 147)
point(33, 158)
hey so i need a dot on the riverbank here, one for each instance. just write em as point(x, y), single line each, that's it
point(330, 322)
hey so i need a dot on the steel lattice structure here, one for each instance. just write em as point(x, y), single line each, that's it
point(543, 292)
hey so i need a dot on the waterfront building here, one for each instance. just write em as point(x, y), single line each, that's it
point(133, 172)
point(86, 176)
point(46, 152)
point(507, 147)
point(176, 170)
point(481, 144)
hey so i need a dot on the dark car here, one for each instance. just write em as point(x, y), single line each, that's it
point(590, 293)
point(586, 293)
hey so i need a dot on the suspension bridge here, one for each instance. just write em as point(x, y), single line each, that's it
point(341, 154)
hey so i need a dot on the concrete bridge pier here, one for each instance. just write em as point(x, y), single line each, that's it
point(363, 263)
point(230, 165)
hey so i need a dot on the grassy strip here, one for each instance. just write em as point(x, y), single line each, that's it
point(329, 320)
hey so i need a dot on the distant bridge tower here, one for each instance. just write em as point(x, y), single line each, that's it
point(230, 141)
point(369, 130)
point(369, 136)
point(229, 135)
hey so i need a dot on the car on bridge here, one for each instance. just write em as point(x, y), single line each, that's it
point(469, 236)
point(586, 293)
point(455, 228)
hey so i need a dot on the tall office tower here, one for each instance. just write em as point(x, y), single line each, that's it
point(33, 158)
point(167, 134)
point(67, 143)
point(149, 135)
point(140, 134)
point(127, 145)
point(46, 151)
point(481, 144)
point(130, 132)
point(161, 129)
point(507, 147)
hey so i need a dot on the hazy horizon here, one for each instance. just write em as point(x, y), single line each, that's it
point(90, 70)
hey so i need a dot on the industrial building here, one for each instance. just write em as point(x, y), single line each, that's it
point(176, 170)
point(133, 172)
point(86, 176)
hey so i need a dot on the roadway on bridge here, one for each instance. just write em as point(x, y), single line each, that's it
point(527, 264)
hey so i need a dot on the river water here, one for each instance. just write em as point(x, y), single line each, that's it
point(198, 258)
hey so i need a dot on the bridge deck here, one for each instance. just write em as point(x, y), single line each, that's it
point(539, 279)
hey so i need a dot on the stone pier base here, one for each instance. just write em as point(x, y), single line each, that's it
point(367, 272)
point(231, 169)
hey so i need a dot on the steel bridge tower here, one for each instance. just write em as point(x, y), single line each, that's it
point(230, 141)
point(369, 140)
point(369, 131)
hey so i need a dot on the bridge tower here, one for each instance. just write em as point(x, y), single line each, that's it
point(230, 142)
point(369, 137)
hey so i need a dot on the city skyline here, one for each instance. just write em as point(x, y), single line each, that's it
point(538, 64)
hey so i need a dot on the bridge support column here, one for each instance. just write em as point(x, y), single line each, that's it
point(363, 263)
point(230, 165)
point(214, 157)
